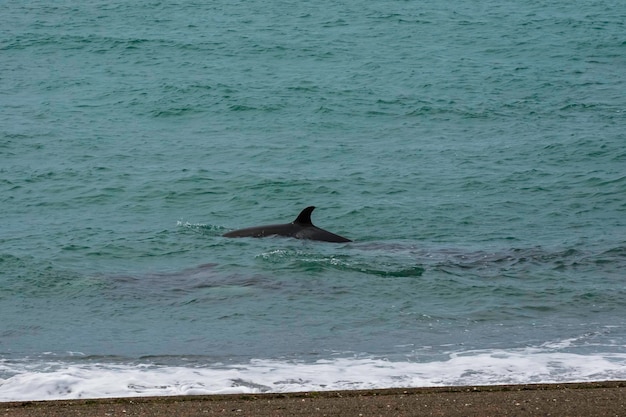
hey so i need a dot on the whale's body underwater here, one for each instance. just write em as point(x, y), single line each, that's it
point(300, 228)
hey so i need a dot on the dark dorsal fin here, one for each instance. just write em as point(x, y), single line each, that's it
point(304, 218)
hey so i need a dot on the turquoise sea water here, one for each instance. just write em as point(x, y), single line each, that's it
point(473, 152)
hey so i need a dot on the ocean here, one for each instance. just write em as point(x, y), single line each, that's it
point(473, 151)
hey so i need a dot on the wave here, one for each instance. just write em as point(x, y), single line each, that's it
point(69, 379)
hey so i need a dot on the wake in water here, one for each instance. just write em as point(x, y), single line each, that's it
point(486, 295)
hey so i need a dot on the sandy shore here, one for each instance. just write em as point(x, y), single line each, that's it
point(578, 399)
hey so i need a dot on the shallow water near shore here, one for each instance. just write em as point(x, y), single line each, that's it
point(473, 153)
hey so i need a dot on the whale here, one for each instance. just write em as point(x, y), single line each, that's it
point(300, 228)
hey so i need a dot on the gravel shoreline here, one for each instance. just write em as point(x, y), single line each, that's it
point(571, 399)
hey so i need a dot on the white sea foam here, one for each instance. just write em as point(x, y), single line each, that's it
point(46, 381)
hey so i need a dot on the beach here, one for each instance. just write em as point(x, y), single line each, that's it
point(572, 399)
